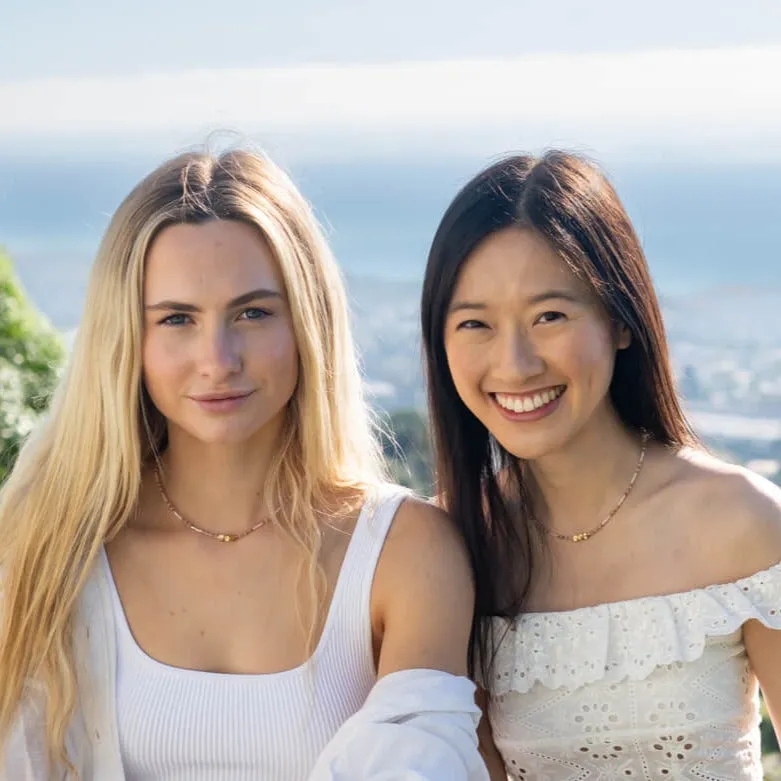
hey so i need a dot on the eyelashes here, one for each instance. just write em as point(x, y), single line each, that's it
point(178, 319)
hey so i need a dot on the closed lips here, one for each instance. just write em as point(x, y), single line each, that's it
point(223, 396)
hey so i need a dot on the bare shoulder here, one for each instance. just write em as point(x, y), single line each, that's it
point(423, 541)
point(735, 512)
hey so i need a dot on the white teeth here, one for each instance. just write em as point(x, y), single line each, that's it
point(528, 403)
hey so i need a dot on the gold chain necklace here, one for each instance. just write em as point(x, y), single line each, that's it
point(583, 536)
point(220, 537)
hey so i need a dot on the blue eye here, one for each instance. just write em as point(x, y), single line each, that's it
point(175, 320)
point(255, 313)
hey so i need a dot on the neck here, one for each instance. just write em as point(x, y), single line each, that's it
point(218, 488)
point(578, 485)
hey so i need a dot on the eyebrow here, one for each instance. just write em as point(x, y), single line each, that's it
point(244, 298)
point(539, 298)
point(553, 295)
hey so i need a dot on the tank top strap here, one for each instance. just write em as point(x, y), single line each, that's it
point(373, 525)
point(351, 605)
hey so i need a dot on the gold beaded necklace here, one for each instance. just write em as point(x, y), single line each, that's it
point(583, 536)
point(219, 536)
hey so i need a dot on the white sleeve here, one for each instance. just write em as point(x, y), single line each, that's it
point(24, 756)
point(424, 729)
point(425, 748)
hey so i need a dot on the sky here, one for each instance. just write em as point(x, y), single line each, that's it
point(106, 37)
point(425, 76)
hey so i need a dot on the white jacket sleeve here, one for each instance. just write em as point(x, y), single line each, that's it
point(416, 725)
point(24, 756)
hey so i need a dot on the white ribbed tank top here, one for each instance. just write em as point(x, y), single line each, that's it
point(188, 725)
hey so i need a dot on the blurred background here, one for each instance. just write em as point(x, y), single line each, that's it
point(381, 111)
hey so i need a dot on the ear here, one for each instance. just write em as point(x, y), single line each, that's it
point(623, 336)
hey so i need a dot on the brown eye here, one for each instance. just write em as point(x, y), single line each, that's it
point(550, 317)
point(470, 325)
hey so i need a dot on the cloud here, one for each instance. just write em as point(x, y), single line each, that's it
point(724, 100)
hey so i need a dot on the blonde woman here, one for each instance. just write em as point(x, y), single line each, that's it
point(196, 578)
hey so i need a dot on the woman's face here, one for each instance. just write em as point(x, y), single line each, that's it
point(530, 348)
point(220, 358)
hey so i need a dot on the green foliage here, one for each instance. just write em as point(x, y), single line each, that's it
point(407, 450)
point(31, 353)
point(769, 739)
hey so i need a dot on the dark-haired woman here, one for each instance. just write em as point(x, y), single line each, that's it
point(628, 583)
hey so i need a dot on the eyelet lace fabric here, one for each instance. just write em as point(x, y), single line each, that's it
point(656, 687)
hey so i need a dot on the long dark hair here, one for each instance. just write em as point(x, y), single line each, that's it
point(569, 202)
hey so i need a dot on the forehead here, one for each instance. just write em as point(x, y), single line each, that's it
point(515, 264)
point(219, 258)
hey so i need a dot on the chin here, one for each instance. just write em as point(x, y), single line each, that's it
point(532, 446)
point(232, 438)
point(526, 451)
point(228, 432)
point(234, 429)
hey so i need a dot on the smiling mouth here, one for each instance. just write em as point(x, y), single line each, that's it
point(528, 402)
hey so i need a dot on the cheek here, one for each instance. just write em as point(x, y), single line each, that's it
point(276, 352)
point(163, 362)
point(591, 353)
point(466, 366)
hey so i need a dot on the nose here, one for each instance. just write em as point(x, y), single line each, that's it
point(516, 358)
point(220, 353)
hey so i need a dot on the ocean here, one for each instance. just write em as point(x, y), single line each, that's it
point(705, 227)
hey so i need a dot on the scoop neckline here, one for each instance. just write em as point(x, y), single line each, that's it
point(121, 622)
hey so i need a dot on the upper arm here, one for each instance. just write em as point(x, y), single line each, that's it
point(490, 754)
point(756, 516)
point(423, 594)
point(763, 646)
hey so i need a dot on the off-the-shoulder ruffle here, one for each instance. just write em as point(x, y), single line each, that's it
point(628, 639)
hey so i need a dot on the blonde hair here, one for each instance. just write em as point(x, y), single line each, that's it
point(77, 480)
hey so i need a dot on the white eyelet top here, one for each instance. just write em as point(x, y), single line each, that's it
point(650, 688)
